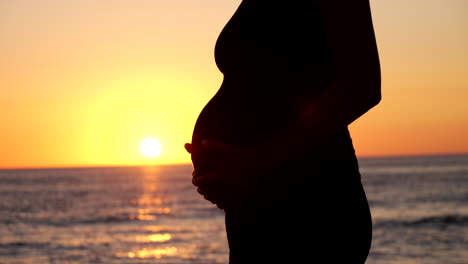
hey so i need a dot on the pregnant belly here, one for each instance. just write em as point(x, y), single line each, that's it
point(238, 121)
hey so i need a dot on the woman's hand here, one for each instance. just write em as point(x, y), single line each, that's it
point(231, 183)
point(188, 147)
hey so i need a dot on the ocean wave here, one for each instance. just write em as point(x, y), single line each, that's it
point(66, 221)
point(443, 220)
point(437, 221)
point(24, 244)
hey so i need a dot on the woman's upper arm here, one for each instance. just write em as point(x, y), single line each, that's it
point(351, 38)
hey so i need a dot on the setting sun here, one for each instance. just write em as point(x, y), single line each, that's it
point(150, 147)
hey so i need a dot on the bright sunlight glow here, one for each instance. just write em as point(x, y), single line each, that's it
point(150, 147)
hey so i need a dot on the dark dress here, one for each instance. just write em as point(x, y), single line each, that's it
point(275, 58)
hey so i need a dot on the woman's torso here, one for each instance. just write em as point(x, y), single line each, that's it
point(272, 54)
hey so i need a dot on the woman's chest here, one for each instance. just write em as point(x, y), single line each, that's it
point(272, 37)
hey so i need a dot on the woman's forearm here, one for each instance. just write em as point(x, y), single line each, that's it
point(320, 119)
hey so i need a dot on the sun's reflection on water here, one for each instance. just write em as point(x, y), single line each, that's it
point(147, 253)
point(150, 204)
point(154, 238)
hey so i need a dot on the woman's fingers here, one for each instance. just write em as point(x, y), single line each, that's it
point(201, 192)
point(216, 186)
point(188, 147)
point(194, 179)
point(213, 146)
point(216, 199)
point(216, 146)
point(207, 179)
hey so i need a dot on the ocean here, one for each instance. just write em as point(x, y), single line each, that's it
point(128, 215)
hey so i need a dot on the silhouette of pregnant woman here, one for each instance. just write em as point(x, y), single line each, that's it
point(272, 147)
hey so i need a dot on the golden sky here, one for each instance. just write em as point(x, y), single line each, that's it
point(83, 82)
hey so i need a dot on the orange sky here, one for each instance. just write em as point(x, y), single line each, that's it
point(83, 82)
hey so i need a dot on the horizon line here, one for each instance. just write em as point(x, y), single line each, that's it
point(58, 167)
